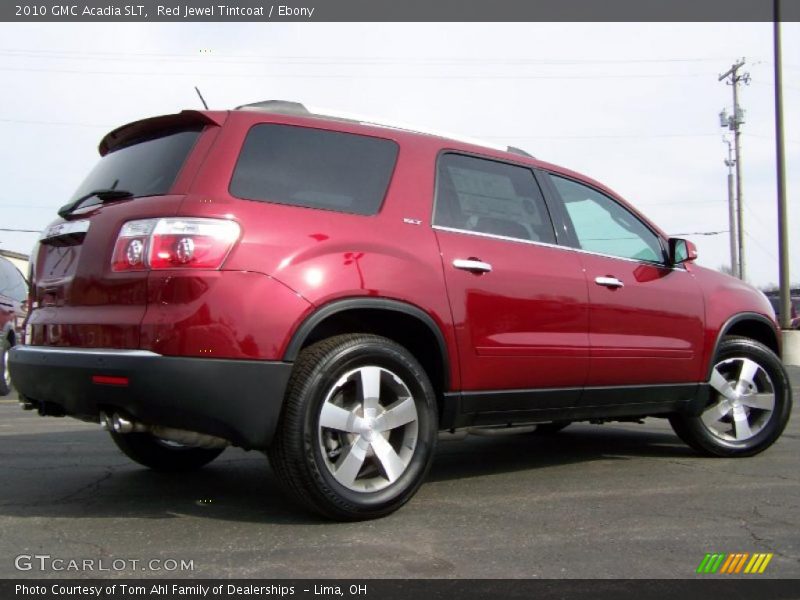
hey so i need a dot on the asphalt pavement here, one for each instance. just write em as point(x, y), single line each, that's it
point(614, 500)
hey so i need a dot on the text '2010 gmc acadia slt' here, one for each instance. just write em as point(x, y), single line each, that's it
point(336, 293)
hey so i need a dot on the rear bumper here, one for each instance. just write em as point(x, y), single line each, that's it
point(239, 400)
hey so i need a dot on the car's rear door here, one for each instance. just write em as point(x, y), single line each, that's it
point(519, 302)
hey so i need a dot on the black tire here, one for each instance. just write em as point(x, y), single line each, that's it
point(702, 437)
point(550, 428)
point(297, 456)
point(5, 379)
point(158, 455)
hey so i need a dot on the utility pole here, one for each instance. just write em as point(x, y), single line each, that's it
point(734, 123)
point(730, 162)
point(783, 217)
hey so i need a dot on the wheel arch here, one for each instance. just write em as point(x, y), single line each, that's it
point(404, 323)
point(750, 325)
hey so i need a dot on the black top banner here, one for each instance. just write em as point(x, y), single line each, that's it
point(398, 10)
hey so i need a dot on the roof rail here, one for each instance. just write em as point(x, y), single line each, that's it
point(520, 151)
point(287, 107)
point(282, 107)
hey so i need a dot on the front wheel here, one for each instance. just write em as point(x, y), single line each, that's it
point(358, 429)
point(161, 455)
point(749, 404)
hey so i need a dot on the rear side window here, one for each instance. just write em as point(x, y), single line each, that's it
point(12, 283)
point(314, 168)
point(486, 196)
point(147, 167)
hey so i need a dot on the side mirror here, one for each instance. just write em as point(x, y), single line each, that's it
point(681, 251)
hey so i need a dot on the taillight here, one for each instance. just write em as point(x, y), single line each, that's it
point(174, 244)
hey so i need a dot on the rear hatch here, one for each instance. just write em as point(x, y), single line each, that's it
point(77, 299)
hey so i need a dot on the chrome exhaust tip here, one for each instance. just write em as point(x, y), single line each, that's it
point(105, 422)
point(121, 425)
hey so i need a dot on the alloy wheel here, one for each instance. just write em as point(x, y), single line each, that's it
point(368, 429)
point(745, 400)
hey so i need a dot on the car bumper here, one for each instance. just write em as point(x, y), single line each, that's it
point(238, 400)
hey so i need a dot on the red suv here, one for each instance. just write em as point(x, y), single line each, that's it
point(336, 293)
point(13, 299)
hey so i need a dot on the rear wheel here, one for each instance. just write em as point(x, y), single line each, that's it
point(5, 374)
point(749, 404)
point(358, 428)
point(161, 455)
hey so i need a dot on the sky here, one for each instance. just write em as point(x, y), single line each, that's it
point(632, 105)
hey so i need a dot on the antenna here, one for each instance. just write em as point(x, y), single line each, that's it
point(203, 100)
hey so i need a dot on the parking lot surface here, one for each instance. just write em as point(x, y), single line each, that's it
point(614, 500)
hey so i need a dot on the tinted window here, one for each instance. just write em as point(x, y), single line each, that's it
point(12, 283)
point(146, 168)
point(604, 226)
point(475, 194)
point(314, 168)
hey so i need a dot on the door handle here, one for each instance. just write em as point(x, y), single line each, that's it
point(610, 282)
point(472, 265)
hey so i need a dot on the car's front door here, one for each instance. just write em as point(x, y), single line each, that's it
point(519, 302)
point(646, 317)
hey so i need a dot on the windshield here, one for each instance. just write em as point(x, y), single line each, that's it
point(148, 167)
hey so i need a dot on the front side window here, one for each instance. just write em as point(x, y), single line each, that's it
point(314, 168)
point(604, 226)
point(486, 196)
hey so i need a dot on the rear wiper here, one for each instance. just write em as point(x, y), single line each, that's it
point(105, 195)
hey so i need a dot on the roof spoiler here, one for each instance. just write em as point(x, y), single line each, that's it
point(127, 134)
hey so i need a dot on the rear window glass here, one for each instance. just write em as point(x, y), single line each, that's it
point(314, 168)
point(145, 168)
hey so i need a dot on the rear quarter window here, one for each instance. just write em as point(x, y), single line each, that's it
point(314, 168)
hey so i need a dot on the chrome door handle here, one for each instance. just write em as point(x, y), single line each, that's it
point(473, 265)
point(611, 282)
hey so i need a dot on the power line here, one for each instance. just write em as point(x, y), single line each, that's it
point(760, 245)
point(68, 123)
point(702, 233)
point(327, 59)
point(21, 230)
point(39, 206)
point(672, 202)
point(358, 77)
point(598, 136)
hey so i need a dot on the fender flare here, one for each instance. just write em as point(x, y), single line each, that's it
point(737, 318)
point(380, 304)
